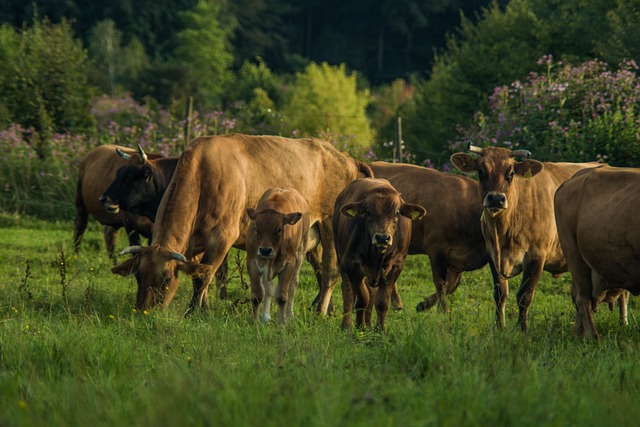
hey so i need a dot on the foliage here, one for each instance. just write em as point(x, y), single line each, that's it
point(88, 359)
point(326, 101)
point(501, 47)
point(48, 90)
point(582, 113)
point(203, 48)
point(114, 65)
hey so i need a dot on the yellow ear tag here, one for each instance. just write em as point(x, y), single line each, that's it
point(528, 174)
point(415, 214)
point(352, 212)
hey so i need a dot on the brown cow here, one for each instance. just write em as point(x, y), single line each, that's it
point(204, 205)
point(97, 169)
point(597, 217)
point(276, 245)
point(450, 235)
point(372, 231)
point(518, 221)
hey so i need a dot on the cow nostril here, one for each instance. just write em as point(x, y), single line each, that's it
point(265, 251)
point(102, 199)
point(383, 238)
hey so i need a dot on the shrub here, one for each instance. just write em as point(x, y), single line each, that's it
point(566, 113)
point(325, 101)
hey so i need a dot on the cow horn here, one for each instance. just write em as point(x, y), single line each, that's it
point(123, 154)
point(179, 257)
point(136, 249)
point(143, 155)
point(474, 149)
point(521, 153)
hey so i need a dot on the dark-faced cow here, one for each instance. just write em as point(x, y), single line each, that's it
point(139, 184)
point(204, 206)
point(450, 235)
point(518, 221)
point(372, 231)
point(599, 229)
point(97, 170)
point(277, 242)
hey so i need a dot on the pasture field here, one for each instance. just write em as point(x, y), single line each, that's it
point(73, 352)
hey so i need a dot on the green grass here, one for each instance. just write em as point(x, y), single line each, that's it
point(73, 352)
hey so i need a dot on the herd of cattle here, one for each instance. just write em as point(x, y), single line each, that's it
point(283, 200)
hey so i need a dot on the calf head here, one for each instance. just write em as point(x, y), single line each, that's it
point(132, 186)
point(156, 271)
point(497, 167)
point(269, 228)
point(381, 209)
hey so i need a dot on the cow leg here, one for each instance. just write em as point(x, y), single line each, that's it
point(364, 305)
point(314, 257)
point(584, 324)
point(268, 296)
point(396, 299)
point(500, 294)
point(623, 301)
point(383, 296)
point(222, 277)
point(257, 289)
point(79, 225)
point(439, 274)
point(530, 278)
point(110, 238)
point(213, 255)
point(347, 301)
point(329, 266)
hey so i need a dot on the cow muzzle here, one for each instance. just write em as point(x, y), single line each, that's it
point(108, 204)
point(266, 252)
point(495, 202)
point(382, 240)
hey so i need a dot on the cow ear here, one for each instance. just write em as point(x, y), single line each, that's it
point(251, 213)
point(463, 162)
point(413, 211)
point(147, 172)
point(528, 168)
point(292, 218)
point(194, 269)
point(127, 268)
point(352, 209)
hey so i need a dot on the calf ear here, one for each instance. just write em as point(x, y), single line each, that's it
point(463, 162)
point(127, 268)
point(292, 218)
point(147, 172)
point(251, 213)
point(194, 269)
point(352, 209)
point(413, 211)
point(528, 168)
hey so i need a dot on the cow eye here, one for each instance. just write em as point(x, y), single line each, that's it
point(279, 231)
point(510, 175)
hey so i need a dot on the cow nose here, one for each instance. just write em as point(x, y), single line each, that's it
point(382, 239)
point(495, 200)
point(265, 251)
point(102, 199)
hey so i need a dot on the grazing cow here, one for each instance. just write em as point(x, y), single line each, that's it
point(518, 221)
point(597, 217)
point(450, 235)
point(204, 206)
point(97, 169)
point(276, 245)
point(372, 231)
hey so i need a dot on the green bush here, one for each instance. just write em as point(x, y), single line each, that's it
point(566, 113)
point(325, 101)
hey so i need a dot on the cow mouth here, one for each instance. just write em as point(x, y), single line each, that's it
point(111, 208)
point(494, 210)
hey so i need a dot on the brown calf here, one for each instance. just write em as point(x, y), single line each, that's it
point(372, 229)
point(276, 245)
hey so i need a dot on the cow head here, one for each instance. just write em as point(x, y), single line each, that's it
point(381, 209)
point(497, 167)
point(269, 228)
point(132, 186)
point(156, 271)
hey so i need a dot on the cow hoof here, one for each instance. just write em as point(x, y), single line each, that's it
point(265, 319)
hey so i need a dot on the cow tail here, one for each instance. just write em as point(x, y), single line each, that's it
point(364, 169)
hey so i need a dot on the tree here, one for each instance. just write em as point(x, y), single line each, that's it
point(325, 101)
point(204, 50)
point(48, 90)
point(114, 65)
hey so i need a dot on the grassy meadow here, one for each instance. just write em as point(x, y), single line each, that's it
point(73, 352)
